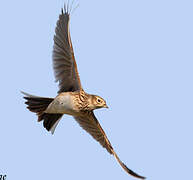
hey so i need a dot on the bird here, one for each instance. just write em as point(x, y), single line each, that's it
point(71, 99)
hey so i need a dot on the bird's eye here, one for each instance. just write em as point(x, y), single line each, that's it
point(98, 100)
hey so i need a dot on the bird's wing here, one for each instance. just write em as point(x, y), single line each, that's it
point(64, 64)
point(90, 123)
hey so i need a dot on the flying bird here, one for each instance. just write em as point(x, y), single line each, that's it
point(71, 98)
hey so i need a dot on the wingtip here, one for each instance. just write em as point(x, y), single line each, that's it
point(132, 172)
point(129, 171)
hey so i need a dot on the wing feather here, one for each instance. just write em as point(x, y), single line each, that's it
point(90, 123)
point(64, 64)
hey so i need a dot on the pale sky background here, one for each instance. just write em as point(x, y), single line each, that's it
point(138, 55)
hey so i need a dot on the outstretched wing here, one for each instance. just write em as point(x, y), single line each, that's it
point(89, 123)
point(64, 64)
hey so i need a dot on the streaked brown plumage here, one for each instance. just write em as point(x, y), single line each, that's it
point(71, 98)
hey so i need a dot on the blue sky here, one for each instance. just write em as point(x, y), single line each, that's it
point(136, 54)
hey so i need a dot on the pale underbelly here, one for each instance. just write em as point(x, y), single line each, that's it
point(62, 105)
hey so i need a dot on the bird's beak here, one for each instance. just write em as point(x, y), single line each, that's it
point(105, 106)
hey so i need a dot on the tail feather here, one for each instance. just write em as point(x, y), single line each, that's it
point(50, 120)
point(38, 105)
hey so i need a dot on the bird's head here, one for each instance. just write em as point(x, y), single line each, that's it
point(97, 102)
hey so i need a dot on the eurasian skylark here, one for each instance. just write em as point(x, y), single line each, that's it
point(71, 98)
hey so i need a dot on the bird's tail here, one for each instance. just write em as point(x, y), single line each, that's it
point(38, 105)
